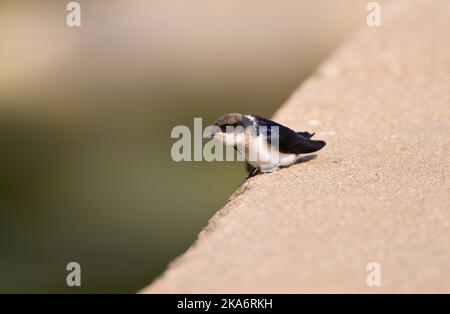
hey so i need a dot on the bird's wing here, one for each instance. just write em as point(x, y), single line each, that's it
point(289, 141)
point(301, 145)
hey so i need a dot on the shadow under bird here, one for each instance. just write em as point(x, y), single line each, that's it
point(265, 144)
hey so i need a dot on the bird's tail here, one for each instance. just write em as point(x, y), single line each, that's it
point(306, 134)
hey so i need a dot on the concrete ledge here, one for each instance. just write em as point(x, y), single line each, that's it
point(379, 191)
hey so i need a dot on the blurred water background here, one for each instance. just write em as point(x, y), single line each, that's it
point(86, 114)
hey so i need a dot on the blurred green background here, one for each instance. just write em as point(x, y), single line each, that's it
point(86, 114)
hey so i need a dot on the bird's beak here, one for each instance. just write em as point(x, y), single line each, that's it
point(209, 134)
point(211, 131)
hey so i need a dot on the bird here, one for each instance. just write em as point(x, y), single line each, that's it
point(266, 145)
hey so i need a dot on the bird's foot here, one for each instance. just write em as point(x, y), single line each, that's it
point(253, 173)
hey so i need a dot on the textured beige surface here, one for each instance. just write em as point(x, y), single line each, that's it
point(379, 191)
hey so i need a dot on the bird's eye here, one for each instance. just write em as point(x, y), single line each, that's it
point(227, 127)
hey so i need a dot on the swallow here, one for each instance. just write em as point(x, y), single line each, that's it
point(266, 145)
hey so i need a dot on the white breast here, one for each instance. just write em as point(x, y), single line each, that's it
point(260, 154)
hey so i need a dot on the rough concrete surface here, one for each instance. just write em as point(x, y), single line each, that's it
point(379, 191)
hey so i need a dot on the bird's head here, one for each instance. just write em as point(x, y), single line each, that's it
point(229, 127)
